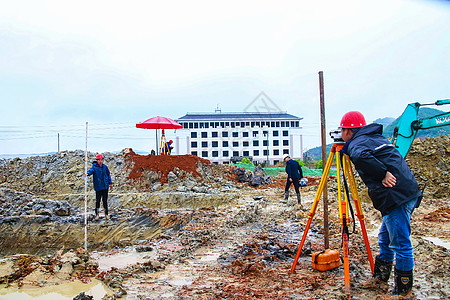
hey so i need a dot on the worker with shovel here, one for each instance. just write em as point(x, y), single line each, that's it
point(393, 190)
point(102, 181)
point(295, 173)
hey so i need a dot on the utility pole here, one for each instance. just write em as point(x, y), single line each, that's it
point(324, 159)
point(58, 142)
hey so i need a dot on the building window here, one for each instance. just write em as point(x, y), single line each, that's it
point(235, 153)
point(215, 144)
point(204, 153)
point(195, 125)
point(255, 133)
point(206, 125)
point(245, 134)
point(265, 143)
point(245, 144)
point(275, 133)
point(194, 153)
point(242, 124)
point(272, 124)
point(191, 125)
point(232, 124)
point(235, 144)
point(227, 124)
point(292, 123)
point(224, 133)
point(285, 151)
point(255, 143)
point(285, 133)
point(215, 154)
point(255, 152)
point(193, 144)
point(224, 143)
point(253, 124)
point(211, 124)
point(222, 124)
point(297, 124)
point(285, 142)
point(204, 135)
point(193, 134)
point(246, 153)
point(235, 134)
point(276, 152)
point(282, 124)
point(204, 144)
point(277, 124)
point(214, 134)
point(185, 125)
point(216, 124)
point(265, 152)
point(276, 142)
point(225, 153)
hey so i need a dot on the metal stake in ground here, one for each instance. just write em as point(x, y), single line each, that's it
point(85, 190)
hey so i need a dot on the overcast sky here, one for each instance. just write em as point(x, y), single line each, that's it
point(115, 63)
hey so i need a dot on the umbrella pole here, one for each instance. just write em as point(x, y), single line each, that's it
point(157, 149)
point(85, 190)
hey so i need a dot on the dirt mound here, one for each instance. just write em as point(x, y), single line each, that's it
point(163, 164)
point(429, 159)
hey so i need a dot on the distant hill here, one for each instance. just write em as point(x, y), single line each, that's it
point(389, 124)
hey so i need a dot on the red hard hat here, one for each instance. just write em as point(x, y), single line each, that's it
point(99, 156)
point(353, 119)
point(170, 141)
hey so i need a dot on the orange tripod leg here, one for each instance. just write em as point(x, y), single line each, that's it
point(359, 211)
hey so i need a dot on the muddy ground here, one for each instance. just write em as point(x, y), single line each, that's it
point(182, 228)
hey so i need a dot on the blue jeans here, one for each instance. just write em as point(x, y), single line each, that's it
point(394, 237)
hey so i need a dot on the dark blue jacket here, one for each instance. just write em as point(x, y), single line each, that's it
point(102, 178)
point(293, 169)
point(373, 155)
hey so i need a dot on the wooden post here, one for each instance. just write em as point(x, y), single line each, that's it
point(324, 159)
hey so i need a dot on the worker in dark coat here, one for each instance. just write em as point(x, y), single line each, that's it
point(393, 190)
point(167, 148)
point(295, 173)
point(102, 181)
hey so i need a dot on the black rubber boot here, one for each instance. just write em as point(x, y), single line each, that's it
point(299, 198)
point(286, 196)
point(382, 269)
point(403, 282)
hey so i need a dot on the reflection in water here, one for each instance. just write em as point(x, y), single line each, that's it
point(56, 292)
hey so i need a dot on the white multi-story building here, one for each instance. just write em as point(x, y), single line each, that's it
point(228, 137)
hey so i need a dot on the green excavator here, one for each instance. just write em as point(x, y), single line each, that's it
point(409, 124)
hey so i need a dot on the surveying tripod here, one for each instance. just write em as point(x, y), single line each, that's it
point(345, 164)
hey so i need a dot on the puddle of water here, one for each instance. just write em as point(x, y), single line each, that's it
point(123, 259)
point(438, 242)
point(56, 292)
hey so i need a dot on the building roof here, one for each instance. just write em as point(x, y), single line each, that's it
point(238, 116)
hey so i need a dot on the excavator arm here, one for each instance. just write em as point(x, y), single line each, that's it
point(409, 124)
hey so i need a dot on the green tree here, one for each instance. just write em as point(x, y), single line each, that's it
point(319, 164)
point(301, 163)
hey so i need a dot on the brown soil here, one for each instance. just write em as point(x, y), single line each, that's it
point(162, 164)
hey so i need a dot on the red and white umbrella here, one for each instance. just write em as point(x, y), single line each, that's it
point(159, 123)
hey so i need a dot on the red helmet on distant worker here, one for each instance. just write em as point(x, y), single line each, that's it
point(170, 142)
point(99, 156)
point(353, 119)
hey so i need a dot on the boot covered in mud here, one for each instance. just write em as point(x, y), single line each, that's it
point(403, 282)
point(286, 197)
point(299, 198)
point(381, 273)
point(382, 269)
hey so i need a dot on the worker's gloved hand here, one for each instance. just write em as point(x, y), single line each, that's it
point(389, 180)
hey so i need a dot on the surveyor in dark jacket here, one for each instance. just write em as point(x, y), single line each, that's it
point(393, 190)
point(102, 181)
point(295, 173)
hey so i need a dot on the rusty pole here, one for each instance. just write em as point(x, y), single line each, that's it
point(324, 159)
